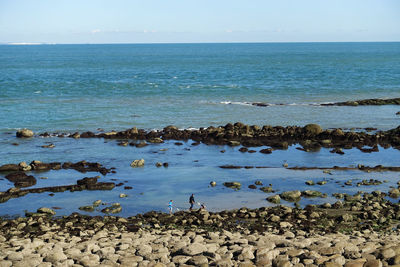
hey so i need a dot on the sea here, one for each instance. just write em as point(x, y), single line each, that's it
point(103, 87)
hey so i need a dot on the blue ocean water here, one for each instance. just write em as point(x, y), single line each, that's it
point(83, 87)
point(72, 88)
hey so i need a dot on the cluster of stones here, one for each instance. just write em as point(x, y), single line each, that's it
point(311, 136)
point(155, 239)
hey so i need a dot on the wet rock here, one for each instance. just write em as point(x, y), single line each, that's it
point(141, 144)
point(87, 181)
point(234, 143)
point(312, 129)
point(252, 186)
point(267, 189)
point(115, 208)
point(311, 193)
point(293, 196)
point(97, 203)
point(243, 149)
point(20, 179)
point(87, 208)
point(276, 199)
point(25, 167)
point(46, 211)
point(137, 163)
point(266, 151)
point(233, 185)
point(10, 167)
point(394, 193)
point(158, 164)
point(48, 146)
point(155, 140)
point(24, 133)
point(310, 182)
point(100, 186)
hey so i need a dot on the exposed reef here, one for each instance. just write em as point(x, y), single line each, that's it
point(311, 137)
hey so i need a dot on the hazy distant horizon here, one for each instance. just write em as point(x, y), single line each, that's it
point(293, 42)
point(207, 21)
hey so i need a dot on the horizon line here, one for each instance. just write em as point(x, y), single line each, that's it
point(150, 43)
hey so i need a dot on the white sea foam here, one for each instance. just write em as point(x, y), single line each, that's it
point(266, 104)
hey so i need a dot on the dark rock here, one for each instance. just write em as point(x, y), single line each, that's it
point(10, 167)
point(266, 151)
point(101, 186)
point(20, 179)
point(87, 181)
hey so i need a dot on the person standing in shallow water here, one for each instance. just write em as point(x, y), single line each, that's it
point(191, 201)
point(170, 206)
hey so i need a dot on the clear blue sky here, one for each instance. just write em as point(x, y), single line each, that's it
point(154, 21)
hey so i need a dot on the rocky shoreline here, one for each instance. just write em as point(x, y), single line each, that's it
point(357, 230)
point(361, 230)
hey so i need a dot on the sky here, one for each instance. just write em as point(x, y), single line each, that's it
point(197, 21)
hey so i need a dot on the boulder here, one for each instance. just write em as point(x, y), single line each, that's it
point(267, 189)
point(137, 163)
point(233, 185)
point(291, 195)
point(312, 129)
point(24, 133)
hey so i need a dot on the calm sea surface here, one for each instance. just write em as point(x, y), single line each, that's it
point(85, 87)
